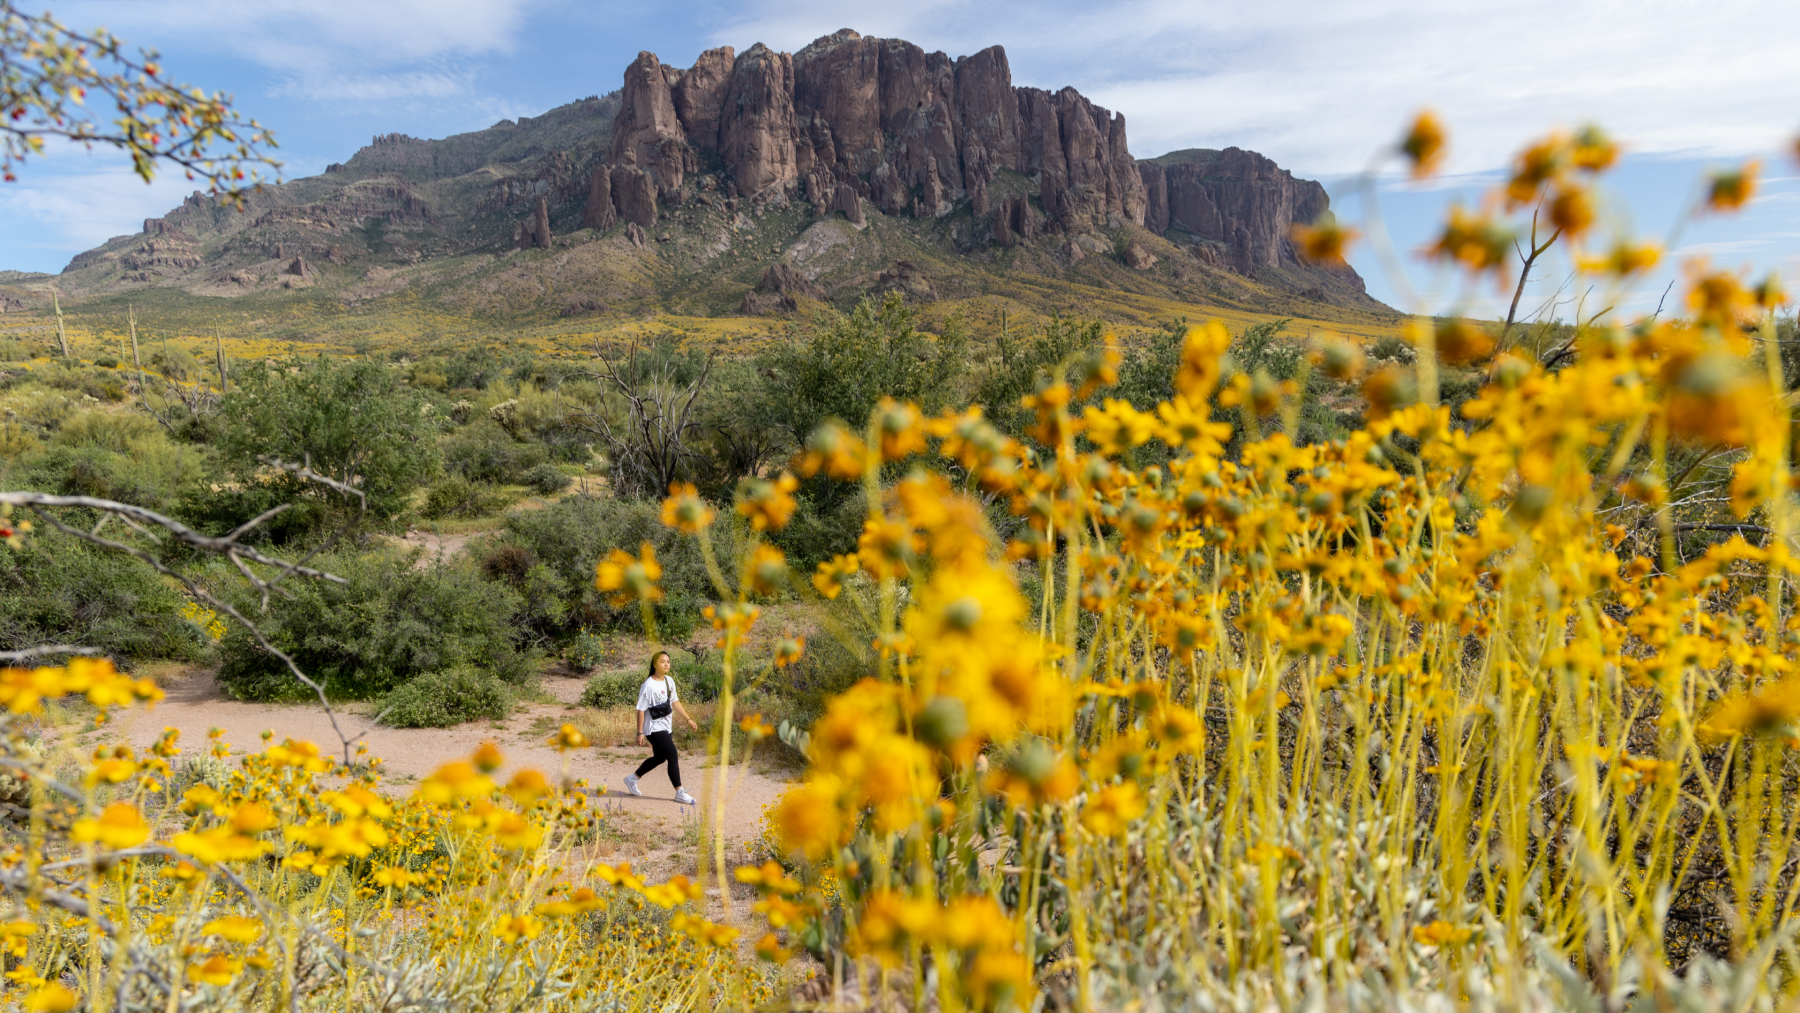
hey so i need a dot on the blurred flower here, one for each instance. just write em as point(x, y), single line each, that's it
point(1624, 259)
point(1731, 189)
point(1200, 366)
point(1424, 145)
point(630, 578)
point(789, 649)
point(1441, 933)
point(120, 826)
point(487, 758)
point(684, 510)
point(899, 428)
point(1536, 166)
point(234, 928)
point(1460, 341)
point(831, 576)
point(766, 571)
point(833, 449)
point(1338, 358)
point(1324, 241)
point(768, 503)
point(1479, 242)
point(568, 737)
point(217, 970)
point(1593, 151)
point(1572, 209)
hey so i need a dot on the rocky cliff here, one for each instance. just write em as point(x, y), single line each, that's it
point(1238, 202)
point(838, 163)
point(912, 132)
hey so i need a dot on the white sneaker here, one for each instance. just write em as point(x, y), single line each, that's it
point(681, 795)
point(631, 785)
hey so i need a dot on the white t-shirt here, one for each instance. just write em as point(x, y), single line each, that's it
point(654, 692)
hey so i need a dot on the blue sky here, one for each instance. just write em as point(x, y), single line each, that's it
point(1319, 87)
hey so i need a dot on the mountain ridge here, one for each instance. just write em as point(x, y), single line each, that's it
point(853, 164)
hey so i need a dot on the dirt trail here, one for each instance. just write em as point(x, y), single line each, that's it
point(195, 704)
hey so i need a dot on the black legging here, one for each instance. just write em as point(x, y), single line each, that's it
point(662, 747)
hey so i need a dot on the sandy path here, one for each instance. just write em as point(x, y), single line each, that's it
point(195, 704)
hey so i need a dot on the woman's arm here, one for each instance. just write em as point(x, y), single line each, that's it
point(695, 725)
point(640, 715)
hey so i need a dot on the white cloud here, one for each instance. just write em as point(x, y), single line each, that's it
point(331, 49)
point(76, 200)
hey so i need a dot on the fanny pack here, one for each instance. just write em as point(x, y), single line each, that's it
point(661, 710)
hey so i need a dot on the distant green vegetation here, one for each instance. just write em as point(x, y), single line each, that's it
point(539, 465)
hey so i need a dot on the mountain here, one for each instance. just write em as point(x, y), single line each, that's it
point(750, 184)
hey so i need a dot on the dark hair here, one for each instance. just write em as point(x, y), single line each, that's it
point(653, 657)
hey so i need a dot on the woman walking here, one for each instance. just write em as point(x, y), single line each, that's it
point(656, 699)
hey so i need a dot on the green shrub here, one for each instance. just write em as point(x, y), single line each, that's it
point(449, 697)
point(484, 452)
point(572, 534)
point(458, 497)
point(56, 590)
point(175, 363)
point(612, 689)
point(586, 652)
point(107, 362)
point(114, 431)
point(392, 622)
point(354, 421)
point(545, 480)
point(698, 681)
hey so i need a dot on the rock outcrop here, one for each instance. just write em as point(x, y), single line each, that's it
point(1137, 258)
point(757, 123)
point(1235, 198)
point(779, 291)
point(846, 201)
point(647, 133)
point(912, 131)
point(634, 195)
point(599, 212)
point(700, 96)
point(540, 225)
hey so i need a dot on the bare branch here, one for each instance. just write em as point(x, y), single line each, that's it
point(46, 650)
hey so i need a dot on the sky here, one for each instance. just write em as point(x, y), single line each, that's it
point(1322, 88)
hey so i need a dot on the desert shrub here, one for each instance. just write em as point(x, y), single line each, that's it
point(585, 652)
point(121, 457)
point(541, 588)
point(354, 421)
point(571, 536)
point(448, 697)
point(175, 363)
point(484, 452)
point(613, 689)
point(545, 479)
point(56, 590)
point(107, 362)
point(839, 365)
point(114, 431)
point(1022, 361)
point(456, 496)
point(38, 406)
point(393, 621)
point(822, 526)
